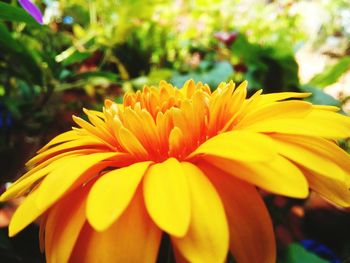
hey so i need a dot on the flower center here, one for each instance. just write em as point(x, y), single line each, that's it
point(156, 124)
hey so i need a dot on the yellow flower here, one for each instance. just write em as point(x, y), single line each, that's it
point(182, 162)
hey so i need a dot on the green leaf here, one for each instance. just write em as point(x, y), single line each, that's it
point(102, 74)
point(76, 57)
point(296, 254)
point(7, 41)
point(319, 97)
point(16, 14)
point(19, 58)
point(331, 74)
point(218, 72)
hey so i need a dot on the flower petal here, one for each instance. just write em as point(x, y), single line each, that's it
point(77, 170)
point(32, 9)
point(64, 223)
point(278, 176)
point(286, 145)
point(25, 214)
point(251, 232)
point(132, 238)
point(316, 123)
point(238, 145)
point(88, 142)
point(114, 190)
point(335, 190)
point(64, 137)
point(321, 147)
point(207, 238)
point(167, 197)
point(276, 110)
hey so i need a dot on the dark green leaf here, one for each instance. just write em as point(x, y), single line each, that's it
point(76, 57)
point(296, 254)
point(94, 74)
point(15, 14)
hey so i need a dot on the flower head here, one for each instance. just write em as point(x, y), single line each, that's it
point(185, 162)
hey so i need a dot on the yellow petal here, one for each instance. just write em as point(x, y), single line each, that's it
point(287, 147)
point(167, 197)
point(238, 145)
point(114, 190)
point(132, 238)
point(278, 176)
point(64, 137)
point(251, 232)
point(25, 214)
point(64, 223)
point(335, 190)
point(88, 142)
point(131, 143)
point(322, 147)
point(26, 182)
point(207, 239)
point(316, 123)
point(75, 171)
point(276, 110)
point(267, 98)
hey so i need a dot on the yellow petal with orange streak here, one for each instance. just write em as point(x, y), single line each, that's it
point(305, 157)
point(278, 176)
point(176, 142)
point(88, 142)
point(167, 197)
point(132, 238)
point(64, 223)
point(207, 239)
point(251, 232)
point(64, 137)
point(335, 190)
point(75, 172)
point(112, 193)
point(188, 88)
point(131, 143)
point(238, 145)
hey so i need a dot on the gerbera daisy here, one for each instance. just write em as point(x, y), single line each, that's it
point(182, 162)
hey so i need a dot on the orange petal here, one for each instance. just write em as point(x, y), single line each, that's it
point(167, 197)
point(251, 232)
point(207, 239)
point(64, 223)
point(114, 190)
point(132, 238)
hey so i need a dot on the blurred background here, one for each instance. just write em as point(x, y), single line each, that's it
point(89, 50)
